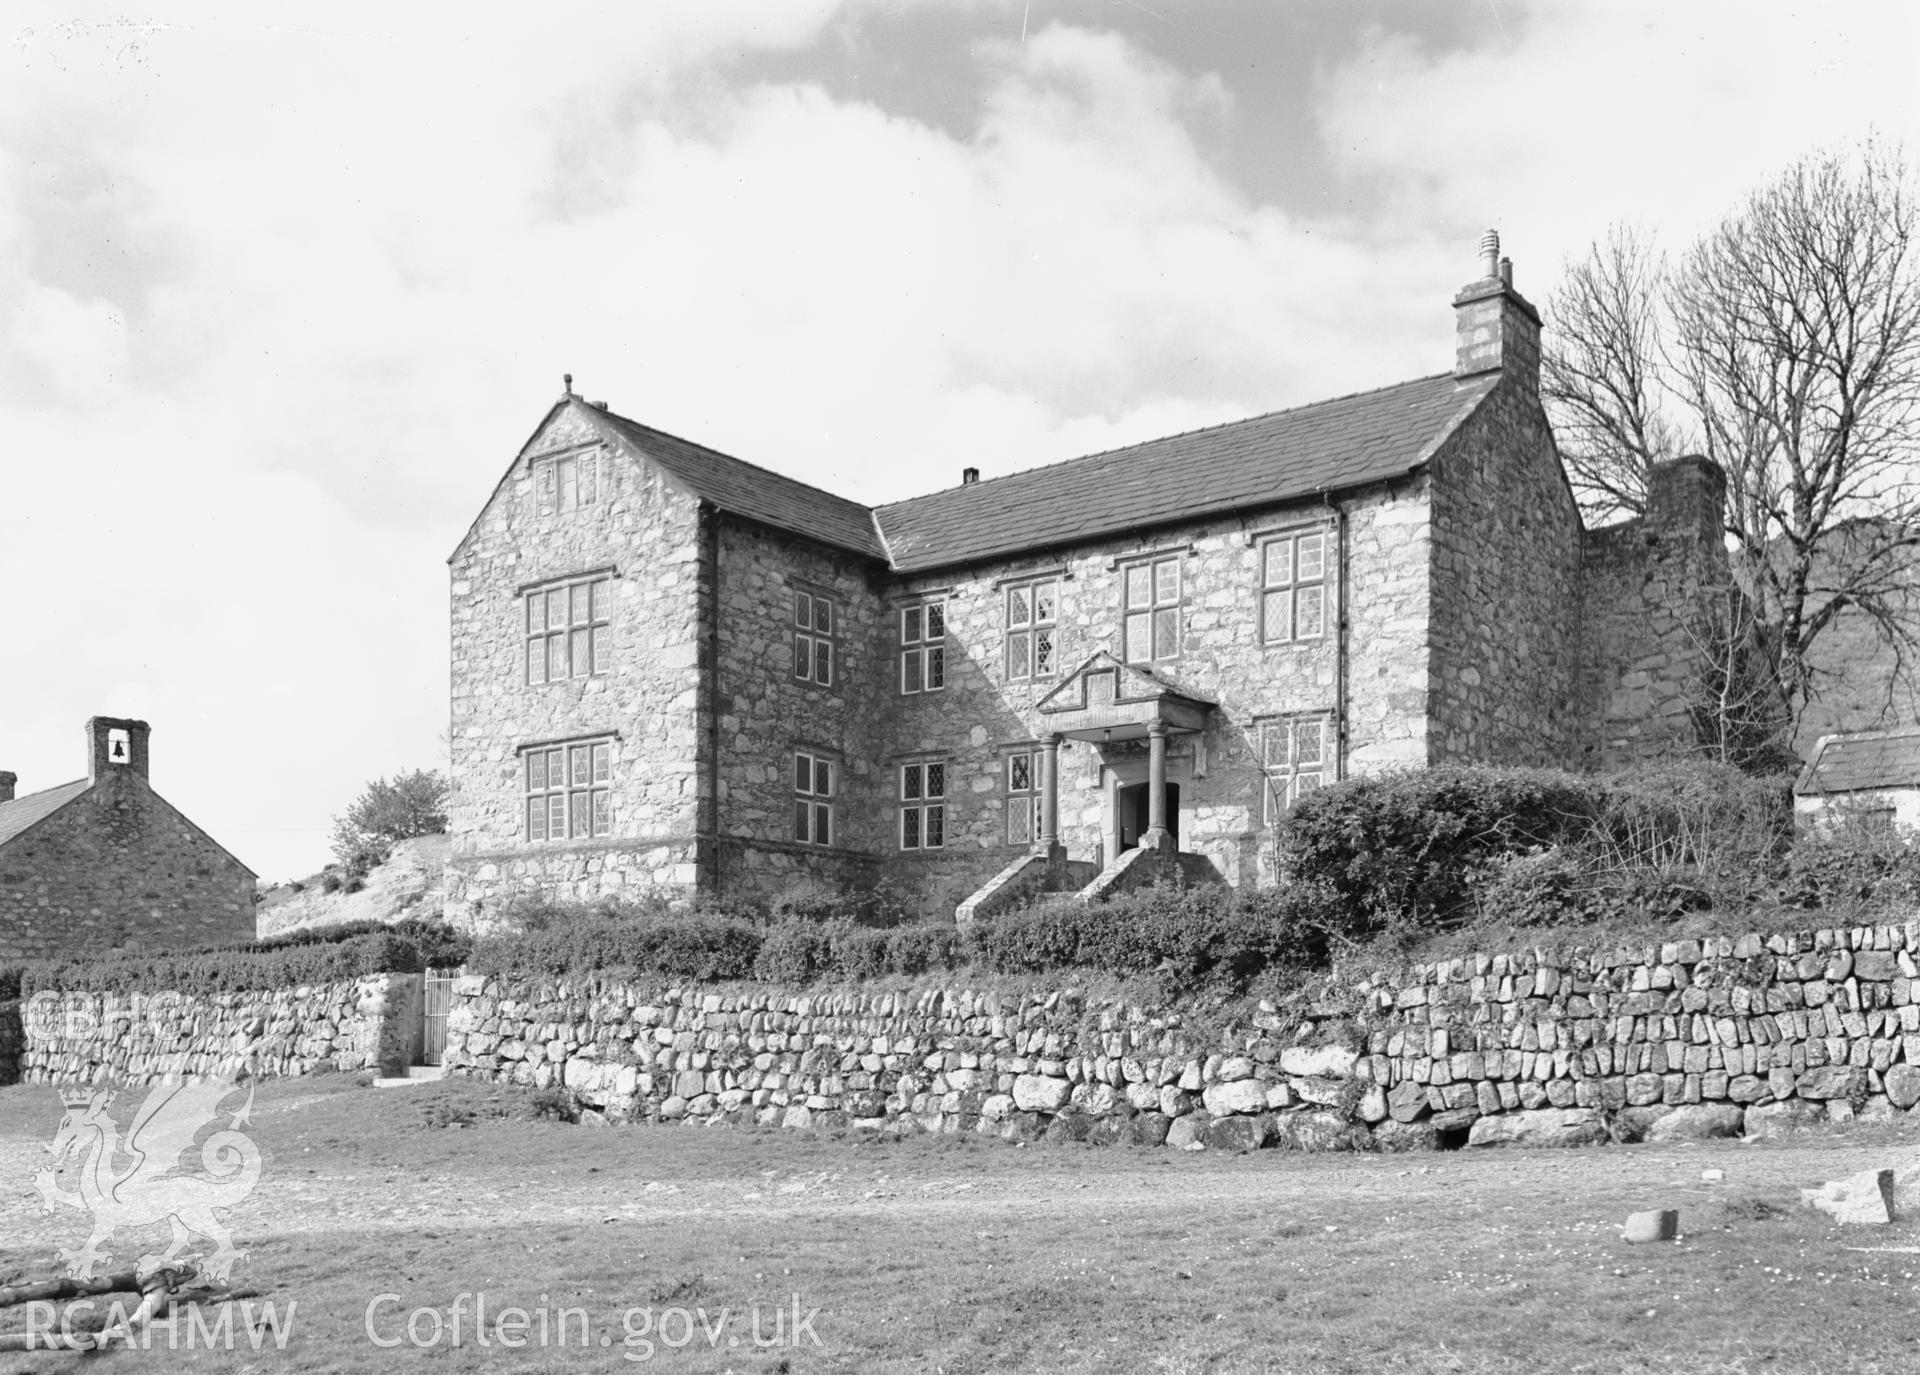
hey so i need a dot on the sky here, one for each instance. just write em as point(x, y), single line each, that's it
point(283, 287)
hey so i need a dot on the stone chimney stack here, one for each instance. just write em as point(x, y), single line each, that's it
point(114, 745)
point(7, 780)
point(1496, 328)
point(1686, 497)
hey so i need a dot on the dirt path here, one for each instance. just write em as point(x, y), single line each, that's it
point(387, 1172)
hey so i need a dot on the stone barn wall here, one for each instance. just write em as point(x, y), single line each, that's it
point(1707, 1037)
point(1649, 589)
point(118, 868)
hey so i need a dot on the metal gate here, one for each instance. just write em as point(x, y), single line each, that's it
point(439, 998)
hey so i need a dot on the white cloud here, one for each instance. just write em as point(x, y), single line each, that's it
point(328, 264)
point(1602, 111)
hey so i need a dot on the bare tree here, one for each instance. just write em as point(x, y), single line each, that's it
point(1602, 377)
point(1787, 349)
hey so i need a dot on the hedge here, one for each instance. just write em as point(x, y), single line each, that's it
point(1187, 936)
point(307, 955)
point(226, 971)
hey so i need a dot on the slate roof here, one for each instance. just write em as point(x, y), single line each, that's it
point(1347, 442)
point(1854, 763)
point(22, 812)
point(756, 493)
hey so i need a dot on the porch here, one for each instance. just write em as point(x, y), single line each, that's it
point(1109, 706)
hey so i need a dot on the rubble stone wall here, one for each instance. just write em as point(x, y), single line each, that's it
point(119, 868)
point(98, 1038)
point(1712, 1036)
point(1654, 596)
point(644, 536)
point(1506, 575)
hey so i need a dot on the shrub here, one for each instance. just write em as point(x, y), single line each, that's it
point(269, 967)
point(1398, 848)
point(923, 947)
point(1853, 865)
point(1709, 826)
point(646, 937)
point(802, 952)
point(1186, 936)
point(795, 951)
point(9, 982)
point(413, 804)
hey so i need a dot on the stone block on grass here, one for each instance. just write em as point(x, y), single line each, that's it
point(1864, 1199)
point(1658, 1224)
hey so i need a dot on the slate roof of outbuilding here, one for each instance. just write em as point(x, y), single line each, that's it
point(1854, 763)
point(756, 493)
point(22, 812)
point(1348, 442)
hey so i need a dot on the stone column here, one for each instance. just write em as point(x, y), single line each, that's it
point(1050, 796)
point(1156, 837)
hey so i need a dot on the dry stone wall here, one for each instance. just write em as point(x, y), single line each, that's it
point(1708, 1037)
point(95, 1038)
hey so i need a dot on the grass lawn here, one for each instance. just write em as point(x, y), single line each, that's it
point(963, 1255)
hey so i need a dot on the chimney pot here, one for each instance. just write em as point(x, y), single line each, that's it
point(7, 780)
point(969, 476)
point(1496, 329)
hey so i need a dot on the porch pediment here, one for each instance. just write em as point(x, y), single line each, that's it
point(1104, 699)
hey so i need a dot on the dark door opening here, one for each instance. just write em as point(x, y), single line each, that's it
point(1130, 805)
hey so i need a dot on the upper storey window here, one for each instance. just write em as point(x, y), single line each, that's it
point(923, 647)
point(813, 619)
point(567, 630)
point(1033, 611)
point(1150, 627)
point(568, 482)
point(1293, 587)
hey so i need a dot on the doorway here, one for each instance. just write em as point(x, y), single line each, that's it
point(1130, 814)
point(437, 1002)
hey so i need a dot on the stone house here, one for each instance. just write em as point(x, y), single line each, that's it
point(1869, 778)
point(106, 863)
point(671, 667)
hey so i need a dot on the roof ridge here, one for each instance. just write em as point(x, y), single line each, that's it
point(1177, 434)
point(1886, 733)
point(722, 453)
point(28, 797)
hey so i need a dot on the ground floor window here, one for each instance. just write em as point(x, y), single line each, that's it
point(813, 798)
point(1023, 796)
point(569, 790)
point(923, 805)
point(1296, 755)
